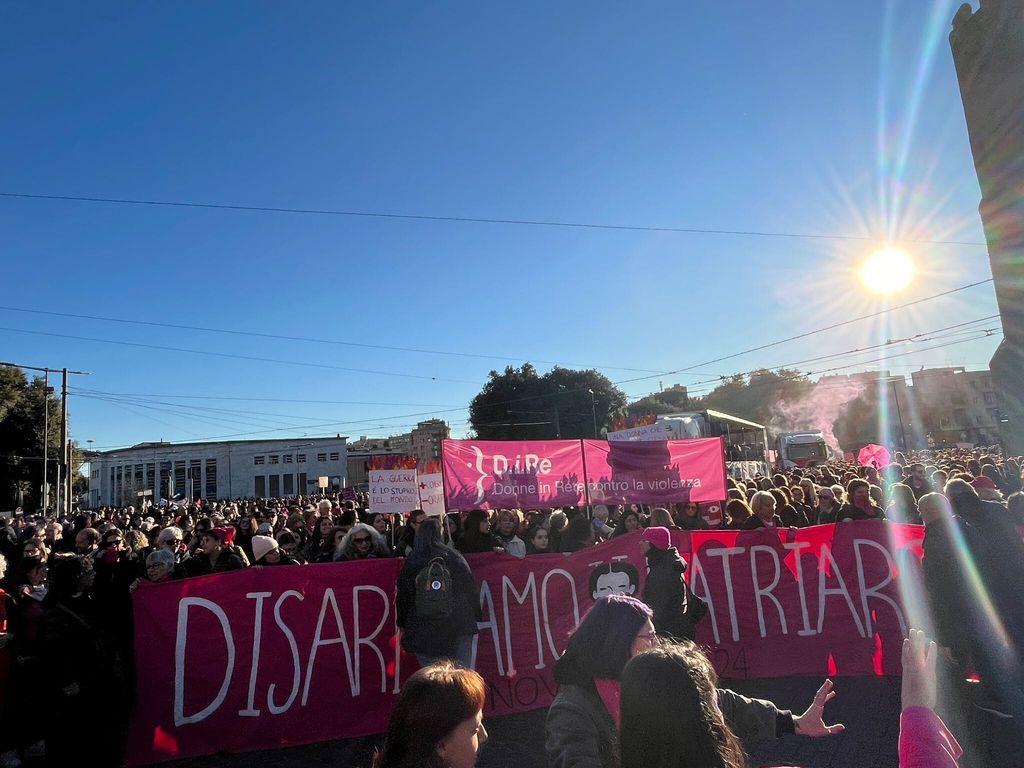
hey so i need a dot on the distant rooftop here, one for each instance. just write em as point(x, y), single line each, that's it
point(296, 441)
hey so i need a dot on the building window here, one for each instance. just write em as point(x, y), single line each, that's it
point(288, 487)
point(321, 457)
point(211, 478)
point(273, 459)
point(179, 478)
point(257, 460)
point(300, 458)
point(151, 478)
point(275, 486)
point(302, 482)
point(261, 487)
point(334, 457)
point(990, 398)
point(165, 479)
point(195, 474)
point(286, 459)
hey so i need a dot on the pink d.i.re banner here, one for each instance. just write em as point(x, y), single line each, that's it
point(655, 471)
point(489, 474)
point(271, 657)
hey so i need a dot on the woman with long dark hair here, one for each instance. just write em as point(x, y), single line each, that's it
point(671, 691)
point(476, 534)
point(321, 533)
point(629, 523)
point(437, 601)
point(537, 541)
point(583, 720)
point(437, 721)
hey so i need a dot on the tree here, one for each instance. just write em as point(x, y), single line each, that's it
point(756, 396)
point(21, 438)
point(519, 404)
point(857, 425)
point(672, 400)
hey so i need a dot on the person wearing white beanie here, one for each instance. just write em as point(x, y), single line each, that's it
point(265, 551)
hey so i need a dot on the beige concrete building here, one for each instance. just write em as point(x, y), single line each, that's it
point(955, 405)
point(426, 440)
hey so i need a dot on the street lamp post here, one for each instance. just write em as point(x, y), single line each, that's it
point(593, 411)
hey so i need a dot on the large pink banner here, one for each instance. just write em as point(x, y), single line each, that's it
point(488, 474)
point(826, 600)
point(655, 471)
point(270, 657)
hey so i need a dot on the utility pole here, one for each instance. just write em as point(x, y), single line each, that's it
point(65, 446)
point(899, 413)
point(44, 493)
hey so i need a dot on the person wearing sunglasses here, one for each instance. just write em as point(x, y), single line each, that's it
point(361, 543)
point(827, 509)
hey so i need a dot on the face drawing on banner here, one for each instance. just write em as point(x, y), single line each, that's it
point(613, 579)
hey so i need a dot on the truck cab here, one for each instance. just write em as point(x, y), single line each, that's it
point(801, 449)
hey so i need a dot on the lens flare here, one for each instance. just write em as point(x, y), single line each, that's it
point(887, 271)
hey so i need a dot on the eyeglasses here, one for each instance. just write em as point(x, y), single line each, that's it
point(362, 540)
point(825, 496)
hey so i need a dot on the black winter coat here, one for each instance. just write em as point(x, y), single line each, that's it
point(437, 636)
point(853, 512)
point(665, 591)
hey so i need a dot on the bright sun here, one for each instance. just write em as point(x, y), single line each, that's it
point(887, 271)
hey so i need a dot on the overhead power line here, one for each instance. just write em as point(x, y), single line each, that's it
point(470, 219)
point(377, 420)
point(259, 399)
point(811, 333)
point(768, 382)
point(476, 383)
point(207, 353)
point(311, 340)
point(918, 338)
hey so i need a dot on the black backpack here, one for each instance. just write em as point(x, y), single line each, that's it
point(434, 590)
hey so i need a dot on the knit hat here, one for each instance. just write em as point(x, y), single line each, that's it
point(659, 537)
point(983, 481)
point(261, 545)
point(224, 534)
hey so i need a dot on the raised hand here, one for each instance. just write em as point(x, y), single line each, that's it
point(812, 722)
point(919, 679)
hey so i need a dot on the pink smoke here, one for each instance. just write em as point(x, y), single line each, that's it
point(818, 410)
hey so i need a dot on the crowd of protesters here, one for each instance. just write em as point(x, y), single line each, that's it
point(68, 582)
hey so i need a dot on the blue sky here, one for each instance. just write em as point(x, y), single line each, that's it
point(828, 119)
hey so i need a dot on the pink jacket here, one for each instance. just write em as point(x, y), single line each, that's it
point(925, 742)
